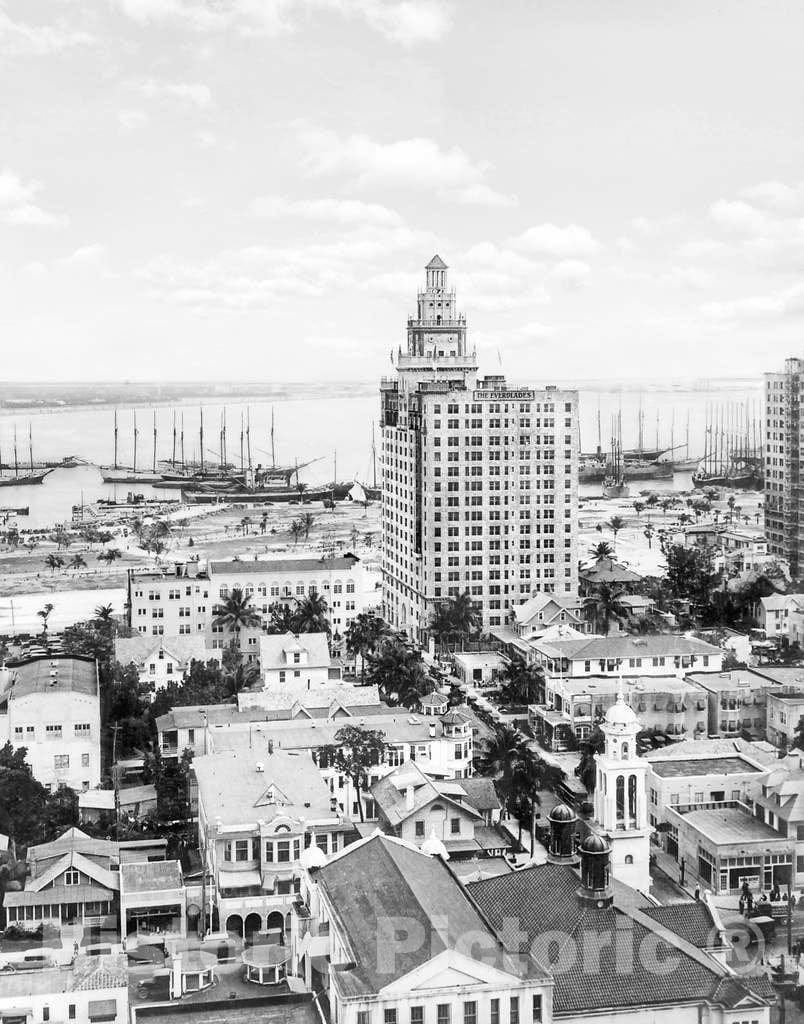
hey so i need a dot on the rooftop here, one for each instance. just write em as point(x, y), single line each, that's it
point(762, 752)
point(633, 687)
point(289, 565)
point(627, 646)
point(669, 769)
point(150, 876)
point(737, 679)
point(277, 651)
point(55, 674)
point(606, 570)
point(87, 973)
point(726, 825)
point(181, 649)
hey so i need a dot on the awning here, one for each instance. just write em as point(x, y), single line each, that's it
point(238, 879)
point(102, 1009)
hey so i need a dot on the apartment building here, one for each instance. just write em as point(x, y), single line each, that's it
point(184, 600)
point(480, 487)
point(626, 655)
point(784, 497)
point(51, 706)
point(738, 702)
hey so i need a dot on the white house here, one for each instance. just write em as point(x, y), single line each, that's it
point(92, 989)
point(51, 706)
point(543, 610)
point(776, 614)
point(290, 661)
point(164, 659)
point(626, 655)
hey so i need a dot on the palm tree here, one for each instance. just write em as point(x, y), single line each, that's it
point(307, 520)
point(368, 540)
point(310, 614)
point(731, 503)
point(605, 605)
point(639, 508)
point(454, 617)
point(615, 524)
point(44, 615)
point(243, 677)
point(263, 522)
point(300, 489)
point(296, 530)
point(54, 562)
point(281, 618)
point(77, 562)
point(237, 612)
point(648, 533)
point(666, 504)
point(363, 635)
point(245, 524)
point(104, 613)
point(602, 550)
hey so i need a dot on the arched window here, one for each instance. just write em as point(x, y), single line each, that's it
point(629, 859)
point(632, 796)
point(625, 752)
point(620, 797)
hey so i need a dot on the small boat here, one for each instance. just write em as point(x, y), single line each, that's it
point(24, 479)
point(614, 485)
point(613, 488)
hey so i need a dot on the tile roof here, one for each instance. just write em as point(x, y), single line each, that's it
point(286, 565)
point(381, 878)
point(480, 793)
point(544, 900)
point(693, 921)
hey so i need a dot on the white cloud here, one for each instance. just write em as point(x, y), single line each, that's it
point(787, 302)
point(776, 195)
point(417, 163)
point(20, 39)
point(86, 255)
point(337, 211)
point(195, 93)
point(131, 119)
point(739, 216)
point(406, 22)
point(17, 206)
point(548, 240)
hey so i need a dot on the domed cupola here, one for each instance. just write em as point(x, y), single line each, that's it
point(563, 821)
point(595, 871)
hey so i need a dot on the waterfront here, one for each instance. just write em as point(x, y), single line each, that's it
point(316, 428)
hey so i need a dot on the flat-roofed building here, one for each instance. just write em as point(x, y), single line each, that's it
point(153, 901)
point(785, 703)
point(51, 706)
point(737, 702)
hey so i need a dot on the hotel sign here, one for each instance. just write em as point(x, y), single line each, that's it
point(503, 396)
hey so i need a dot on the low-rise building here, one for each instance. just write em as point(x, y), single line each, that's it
point(92, 989)
point(132, 802)
point(299, 662)
point(774, 614)
point(609, 573)
point(171, 601)
point(479, 669)
point(153, 902)
point(674, 707)
point(259, 808)
point(780, 804)
point(737, 702)
point(622, 654)
point(51, 706)
point(543, 610)
point(785, 712)
point(164, 659)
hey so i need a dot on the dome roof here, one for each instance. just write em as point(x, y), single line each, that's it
point(594, 844)
point(434, 699)
point(433, 847)
point(621, 713)
point(561, 813)
point(313, 856)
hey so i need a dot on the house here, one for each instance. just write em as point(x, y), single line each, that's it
point(775, 614)
point(673, 707)
point(780, 804)
point(744, 548)
point(346, 936)
point(461, 814)
point(92, 989)
point(131, 801)
point(606, 572)
point(626, 655)
point(737, 701)
point(479, 669)
point(259, 808)
point(295, 661)
point(785, 703)
point(635, 606)
point(162, 660)
point(51, 706)
point(543, 610)
point(618, 982)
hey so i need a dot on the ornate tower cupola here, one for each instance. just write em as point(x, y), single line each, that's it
point(437, 333)
point(621, 798)
point(595, 872)
point(563, 821)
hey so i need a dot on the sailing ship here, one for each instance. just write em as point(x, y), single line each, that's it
point(614, 485)
point(23, 477)
point(732, 456)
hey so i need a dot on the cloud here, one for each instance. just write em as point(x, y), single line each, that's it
point(417, 163)
point(406, 22)
point(87, 255)
point(20, 39)
point(739, 216)
point(195, 93)
point(547, 240)
point(497, 279)
point(131, 119)
point(776, 195)
point(785, 303)
point(17, 206)
point(336, 211)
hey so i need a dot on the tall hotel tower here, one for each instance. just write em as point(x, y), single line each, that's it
point(784, 476)
point(479, 480)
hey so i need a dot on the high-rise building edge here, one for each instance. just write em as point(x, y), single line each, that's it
point(479, 478)
point(784, 488)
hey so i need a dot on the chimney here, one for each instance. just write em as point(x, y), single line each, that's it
point(409, 797)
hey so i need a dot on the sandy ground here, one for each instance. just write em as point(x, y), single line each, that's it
point(216, 534)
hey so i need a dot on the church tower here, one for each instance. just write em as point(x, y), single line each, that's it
point(620, 797)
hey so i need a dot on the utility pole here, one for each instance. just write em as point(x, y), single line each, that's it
point(116, 780)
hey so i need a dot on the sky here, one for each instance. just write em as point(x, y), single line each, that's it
point(250, 189)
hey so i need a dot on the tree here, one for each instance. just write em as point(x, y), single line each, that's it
point(354, 537)
point(237, 612)
point(586, 771)
point(44, 615)
point(648, 533)
point(104, 612)
point(455, 617)
point(398, 671)
point(363, 634)
point(22, 798)
point(171, 782)
point(307, 520)
point(263, 522)
point(615, 524)
point(204, 683)
point(78, 562)
point(245, 524)
point(798, 735)
point(522, 683)
point(310, 615)
point(602, 550)
point(242, 676)
point(296, 530)
point(606, 605)
point(54, 562)
point(532, 775)
point(355, 752)
point(689, 573)
point(639, 508)
point(280, 618)
point(499, 756)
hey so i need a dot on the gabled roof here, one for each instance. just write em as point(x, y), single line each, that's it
point(625, 645)
point(780, 601)
point(73, 859)
point(436, 263)
point(389, 793)
point(382, 879)
point(72, 840)
point(524, 612)
point(606, 570)
point(142, 649)
point(693, 921)
point(276, 650)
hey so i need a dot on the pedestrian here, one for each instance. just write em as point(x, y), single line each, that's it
point(682, 869)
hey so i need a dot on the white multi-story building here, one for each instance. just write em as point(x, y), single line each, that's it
point(784, 496)
point(626, 655)
point(479, 479)
point(184, 601)
point(288, 661)
point(51, 706)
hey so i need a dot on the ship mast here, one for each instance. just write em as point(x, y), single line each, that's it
point(182, 441)
point(242, 441)
point(16, 461)
point(373, 456)
point(154, 440)
point(173, 459)
point(135, 441)
point(248, 446)
point(273, 449)
point(201, 437)
point(30, 445)
point(115, 439)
